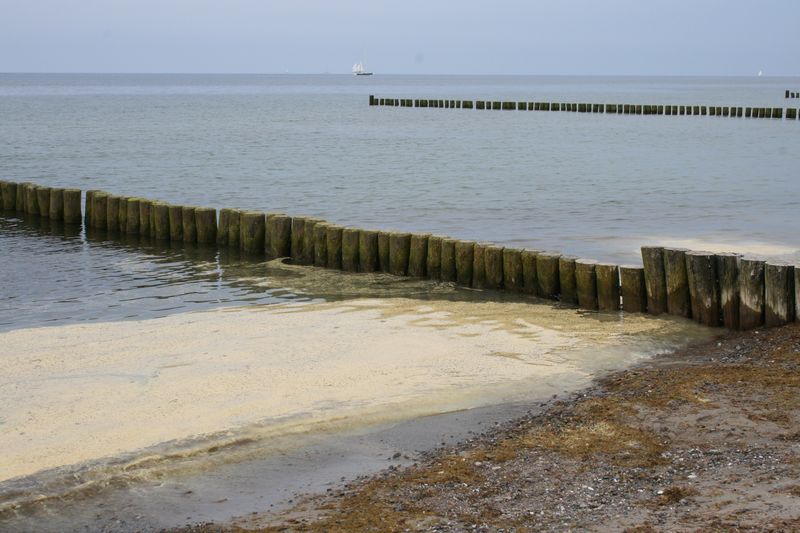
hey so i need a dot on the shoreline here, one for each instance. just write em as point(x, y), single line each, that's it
point(704, 438)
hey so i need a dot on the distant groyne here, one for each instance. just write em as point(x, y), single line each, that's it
point(612, 109)
point(717, 290)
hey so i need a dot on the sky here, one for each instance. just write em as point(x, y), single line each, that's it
point(548, 37)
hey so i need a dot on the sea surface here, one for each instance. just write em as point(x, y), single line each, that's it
point(114, 359)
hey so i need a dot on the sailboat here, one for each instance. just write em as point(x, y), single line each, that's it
point(358, 70)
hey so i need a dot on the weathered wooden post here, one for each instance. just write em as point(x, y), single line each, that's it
point(448, 259)
point(751, 293)
point(56, 211)
point(122, 215)
point(31, 201)
point(464, 251)
point(655, 279)
point(235, 229)
point(333, 244)
point(43, 200)
point(223, 226)
point(252, 231)
point(512, 270)
point(298, 239)
point(384, 252)
point(189, 221)
point(586, 283)
point(529, 283)
point(160, 219)
point(309, 241)
point(100, 210)
point(728, 279)
point(434, 257)
point(350, 249)
point(72, 206)
point(566, 278)
point(778, 293)
point(608, 288)
point(175, 222)
point(399, 249)
point(280, 235)
point(479, 265)
point(547, 275)
point(418, 256)
point(9, 190)
point(132, 220)
point(493, 265)
point(701, 271)
point(146, 212)
point(634, 290)
point(19, 204)
point(112, 213)
point(205, 219)
point(368, 250)
point(321, 244)
point(677, 282)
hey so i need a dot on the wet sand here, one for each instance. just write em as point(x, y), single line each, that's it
point(705, 439)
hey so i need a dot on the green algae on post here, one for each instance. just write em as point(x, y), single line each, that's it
point(321, 244)
point(434, 257)
point(368, 250)
point(72, 206)
point(547, 275)
point(448, 259)
point(112, 213)
point(512, 270)
point(43, 200)
point(634, 292)
point(56, 211)
point(189, 224)
point(333, 245)
point(252, 228)
point(399, 249)
point(350, 249)
point(161, 221)
point(493, 265)
point(479, 265)
point(175, 223)
point(418, 255)
point(206, 222)
point(529, 282)
point(463, 256)
point(566, 279)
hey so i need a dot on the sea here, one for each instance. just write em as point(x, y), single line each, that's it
point(597, 186)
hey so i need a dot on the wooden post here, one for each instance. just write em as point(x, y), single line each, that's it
point(223, 226)
point(350, 250)
point(634, 290)
point(176, 223)
point(112, 213)
point(586, 283)
point(448, 259)
point(321, 244)
point(566, 278)
point(384, 255)
point(547, 275)
point(43, 200)
point(9, 190)
point(512, 270)
point(479, 265)
point(778, 293)
point(146, 211)
point(56, 211)
point(751, 293)
point(100, 210)
point(655, 279)
point(122, 215)
point(608, 288)
point(399, 249)
point(298, 239)
point(234, 228)
point(205, 219)
point(278, 236)
point(31, 201)
point(189, 224)
point(796, 292)
point(701, 271)
point(72, 206)
point(368, 251)
point(464, 251)
point(493, 263)
point(252, 231)
point(418, 256)
point(529, 282)
point(333, 243)
point(728, 279)
point(434, 257)
point(161, 220)
point(309, 241)
point(677, 282)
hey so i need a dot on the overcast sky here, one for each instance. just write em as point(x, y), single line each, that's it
point(648, 37)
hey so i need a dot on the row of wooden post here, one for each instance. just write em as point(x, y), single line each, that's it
point(713, 289)
point(624, 109)
point(791, 94)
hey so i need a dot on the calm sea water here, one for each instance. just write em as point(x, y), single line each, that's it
point(598, 186)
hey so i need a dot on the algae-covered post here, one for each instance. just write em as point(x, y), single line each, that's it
point(9, 191)
point(434, 257)
point(189, 229)
point(384, 255)
point(298, 239)
point(586, 283)
point(368, 250)
point(751, 293)
point(72, 206)
point(146, 217)
point(701, 270)
point(99, 210)
point(112, 213)
point(161, 221)
point(448, 259)
point(529, 283)
point(655, 279)
point(463, 256)
point(399, 250)
point(566, 278)
point(608, 288)
point(479, 265)
point(56, 211)
point(778, 293)
point(350, 249)
point(634, 290)
point(309, 240)
point(677, 282)
point(320, 232)
point(728, 279)
point(333, 246)
point(206, 222)
point(493, 265)
point(512, 270)
point(418, 255)
point(43, 200)
point(547, 275)
point(252, 228)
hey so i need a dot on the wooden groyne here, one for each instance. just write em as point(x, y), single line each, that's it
point(717, 290)
point(606, 108)
point(791, 94)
